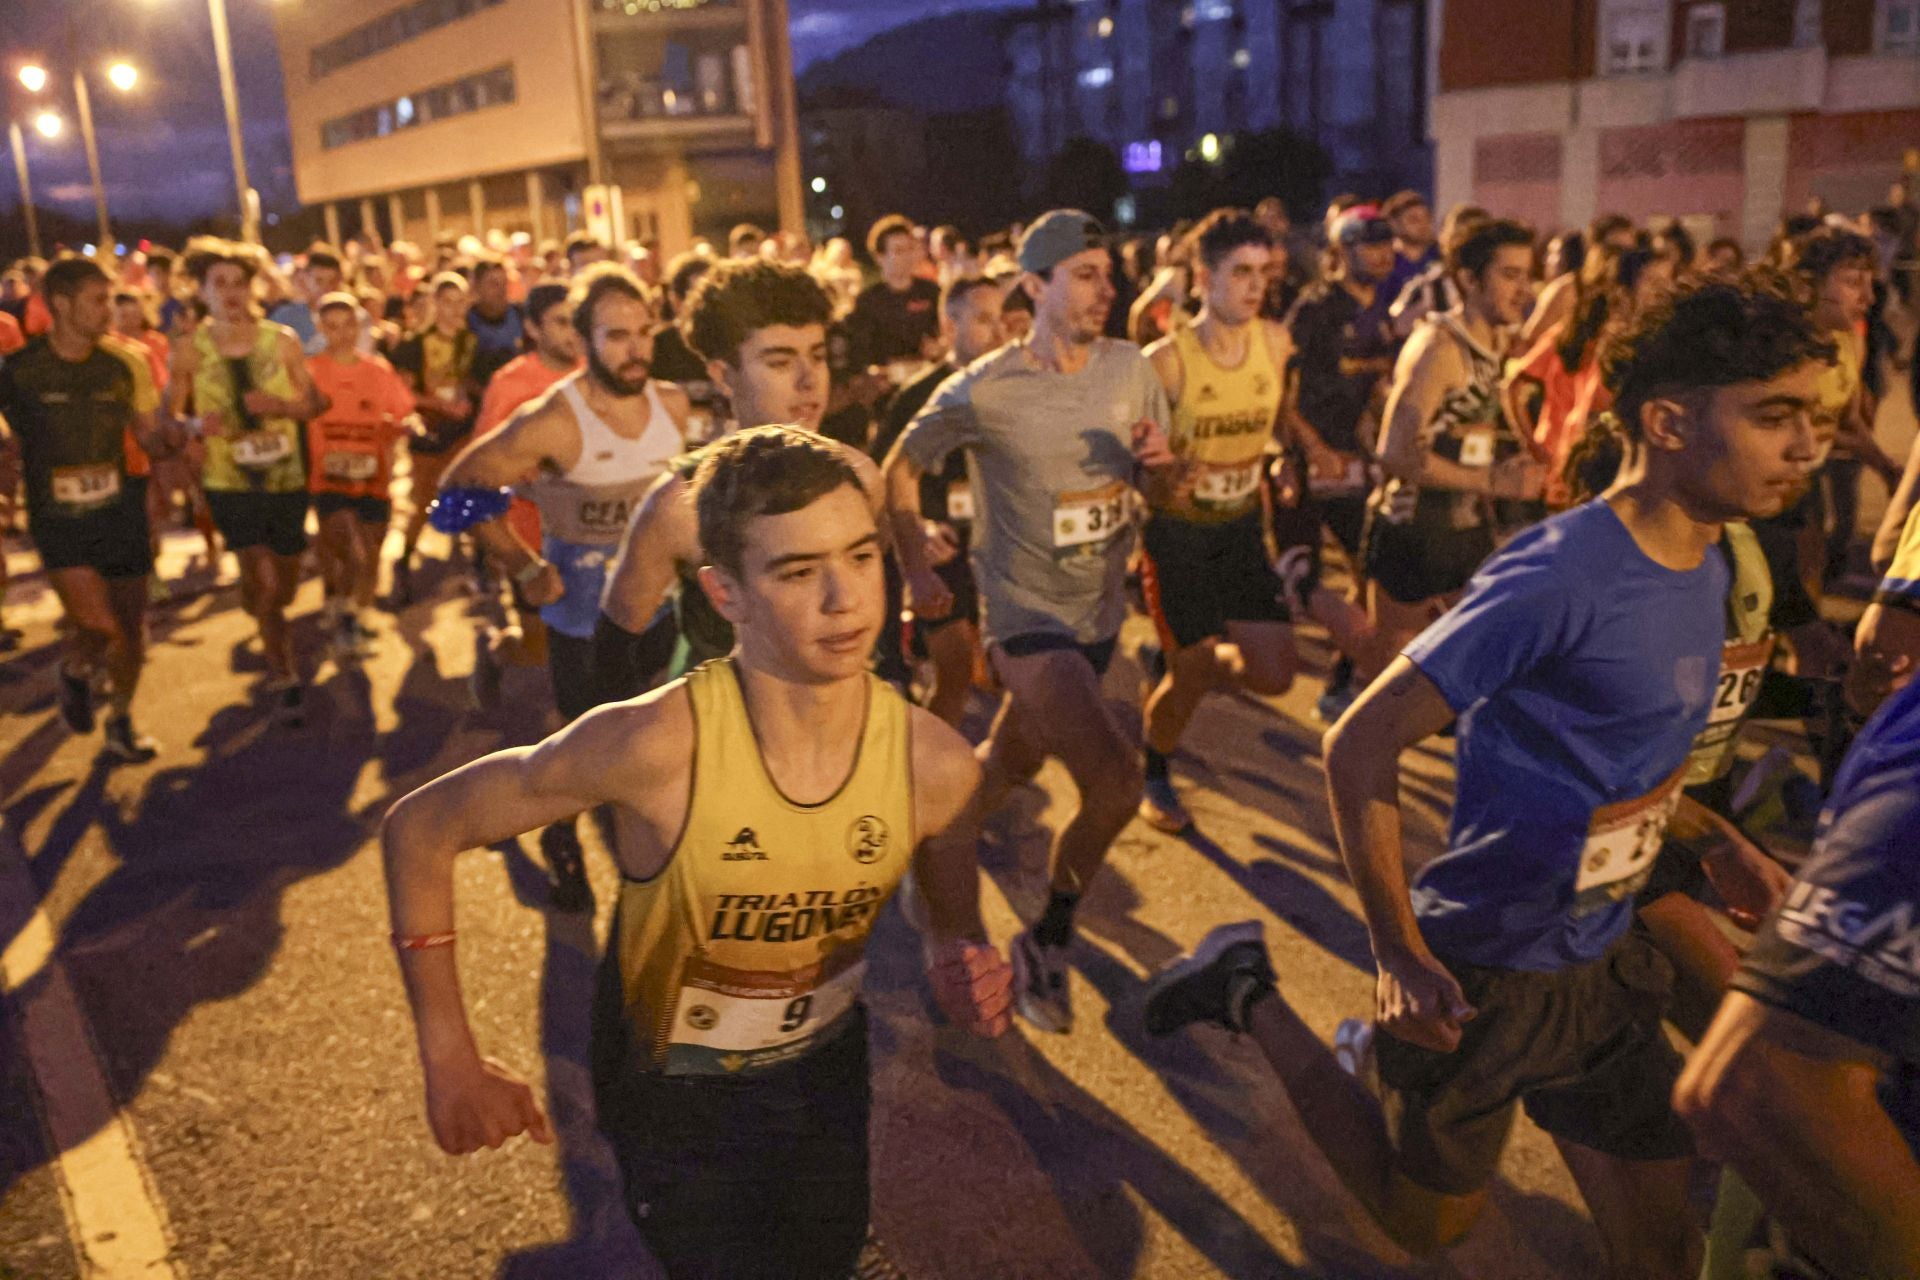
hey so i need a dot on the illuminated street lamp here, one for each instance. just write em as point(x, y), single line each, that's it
point(123, 76)
point(49, 124)
point(33, 77)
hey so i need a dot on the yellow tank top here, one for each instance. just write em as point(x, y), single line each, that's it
point(1222, 425)
point(1744, 659)
point(267, 459)
point(749, 949)
point(1840, 381)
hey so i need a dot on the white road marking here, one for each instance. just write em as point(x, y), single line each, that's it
point(114, 1217)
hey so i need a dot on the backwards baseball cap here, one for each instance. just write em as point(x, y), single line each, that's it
point(1056, 236)
point(1362, 224)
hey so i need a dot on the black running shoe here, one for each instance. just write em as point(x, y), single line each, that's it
point(566, 868)
point(129, 744)
point(290, 705)
point(76, 701)
point(1214, 984)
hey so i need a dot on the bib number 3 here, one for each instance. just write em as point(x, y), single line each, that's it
point(1086, 522)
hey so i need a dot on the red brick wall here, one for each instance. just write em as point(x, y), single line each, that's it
point(1504, 42)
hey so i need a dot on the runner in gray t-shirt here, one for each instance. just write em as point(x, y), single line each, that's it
point(1057, 430)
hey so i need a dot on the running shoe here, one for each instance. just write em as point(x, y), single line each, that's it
point(1353, 1049)
point(366, 633)
point(566, 868)
point(483, 684)
point(1333, 704)
point(1214, 984)
point(158, 592)
point(1040, 989)
point(76, 701)
point(1298, 569)
point(10, 638)
point(346, 637)
point(1160, 807)
point(289, 704)
point(129, 744)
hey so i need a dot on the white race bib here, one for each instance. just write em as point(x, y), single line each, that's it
point(1476, 448)
point(1350, 481)
point(1622, 842)
point(1742, 668)
point(727, 1021)
point(93, 485)
point(1227, 486)
point(1091, 518)
point(259, 450)
point(350, 467)
point(960, 502)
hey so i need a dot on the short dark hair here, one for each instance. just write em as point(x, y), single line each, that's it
point(160, 260)
point(125, 295)
point(1821, 253)
point(484, 263)
point(1706, 334)
point(736, 298)
point(684, 270)
point(960, 288)
point(1475, 244)
point(595, 283)
point(894, 224)
point(1724, 243)
point(582, 242)
point(1223, 231)
point(1605, 225)
point(762, 471)
point(543, 298)
point(67, 276)
point(1401, 201)
point(204, 253)
point(324, 258)
point(742, 233)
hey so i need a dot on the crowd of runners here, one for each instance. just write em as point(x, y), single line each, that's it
point(1576, 505)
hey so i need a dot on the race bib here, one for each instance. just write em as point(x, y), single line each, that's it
point(1087, 521)
point(93, 485)
point(1476, 448)
point(350, 467)
point(259, 450)
point(1227, 486)
point(730, 1021)
point(1742, 668)
point(1351, 480)
point(960, 502)
point(1622, 841)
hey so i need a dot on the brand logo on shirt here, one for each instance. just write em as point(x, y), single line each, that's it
point(744, 847)
point(1262, 384)
point(867, 839)
point(701, 1018)
point(1880, 943)
point(1206, 393)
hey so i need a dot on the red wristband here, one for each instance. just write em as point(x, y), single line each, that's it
point(422, 941)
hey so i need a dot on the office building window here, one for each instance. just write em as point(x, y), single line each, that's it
point(1899, 26)
point(396, 26)
point(492, 88)
point(1633, 39)
point(1806, 25)
point(1706, 30)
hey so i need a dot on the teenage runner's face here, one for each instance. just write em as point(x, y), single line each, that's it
point(811, 594)
point(228, 292)
point(1414, 225)
point(1235, 287)
point(900, 256)
point(1754, 446)
point(1373, 261)
point(977, 328)
point(90, 309)
point(623, 339)
point(322, 280)
point(556, 337)
point(341, 328)
point(1503, 288)
point(781, 378)
point(450, 308)
point(1075, 302)
point(490, 290)
point(1845, 297)
point(127, 317)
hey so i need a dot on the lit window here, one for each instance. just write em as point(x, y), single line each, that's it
point(1103, 28)
point(1633, 39)
point(1242, 59)
point(1706, 30)
point(1096, 77)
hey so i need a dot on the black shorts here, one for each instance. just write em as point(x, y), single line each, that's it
point(113, 540)
point(570, 663)
point(367, 510)
point(957, 573)
point(1582, 1049)
point(764, 1178)
point(1199, 577)
point(1346, 516)
point(276, 521)
point(1422, 559)
point(1099, 654)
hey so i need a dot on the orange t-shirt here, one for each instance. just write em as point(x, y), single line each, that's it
point(520, 381)
point(11, 339)
point(350, 446)
point(1568, 400)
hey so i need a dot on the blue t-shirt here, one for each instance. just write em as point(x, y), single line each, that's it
point(1581, 671)
point(298, 316)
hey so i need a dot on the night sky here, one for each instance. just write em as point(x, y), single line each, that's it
point(163, 149)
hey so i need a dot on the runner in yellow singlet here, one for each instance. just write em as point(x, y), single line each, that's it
point(765, 807)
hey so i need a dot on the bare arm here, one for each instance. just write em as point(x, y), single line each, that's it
point(678, 406)
point(1554, 304)
point(306, 401)
point(661, 533)
point(927, 595)
point(1886, 539)
point(540, 434)
point(1418, 999)
point(184, 363)
point(1794, 1108)
point(1426, 368)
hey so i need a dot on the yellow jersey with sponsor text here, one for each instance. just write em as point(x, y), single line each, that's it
point(1222, 425)
point(749, 948)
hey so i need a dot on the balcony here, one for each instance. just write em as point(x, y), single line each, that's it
point(1767, 82)
point(670, 83)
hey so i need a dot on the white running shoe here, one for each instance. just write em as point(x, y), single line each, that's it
point(1040, 990)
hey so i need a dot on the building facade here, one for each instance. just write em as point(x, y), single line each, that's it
point(426, 118)
point(1153, 79)
point(1723, 113)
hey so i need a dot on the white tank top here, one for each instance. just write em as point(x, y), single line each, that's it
point(589, 503)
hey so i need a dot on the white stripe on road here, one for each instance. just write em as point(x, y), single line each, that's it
point(118, 1227)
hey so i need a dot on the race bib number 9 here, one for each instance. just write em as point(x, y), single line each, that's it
point(731, 1021)
point(1085, 522)
point(259, 450)
point(1227, 486)
point(350, 467)
point(1622, 842)
point(86, 487)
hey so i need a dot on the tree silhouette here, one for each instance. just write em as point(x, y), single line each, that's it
point(1084, 174)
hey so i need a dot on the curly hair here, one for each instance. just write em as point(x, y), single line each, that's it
point(1708, 333)
point(204, 253)
point(1223, 231)
point(736, 298)
point(1820, 253)
point(763, 471)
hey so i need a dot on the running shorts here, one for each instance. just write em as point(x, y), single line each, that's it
point(761, 1179)
point(367, 510)
point(277, 521)
point(1419, 561)
point(113, 541)
point(626, 662)
point(1582, 1049)
point(1099, 654)
point(1346, 517)
point(570, 663)
point(1199, 577)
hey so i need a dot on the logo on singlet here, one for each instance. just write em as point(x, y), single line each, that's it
point(867, 839)
point(744, 847)
point(701, 1018)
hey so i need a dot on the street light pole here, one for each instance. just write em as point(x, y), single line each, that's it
point(223, 54)
point(93, 159)
point(26, 187)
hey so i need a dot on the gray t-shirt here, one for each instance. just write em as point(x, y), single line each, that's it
point(1050, 465)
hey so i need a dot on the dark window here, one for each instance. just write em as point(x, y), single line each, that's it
point(389, 29)
point(490, 88)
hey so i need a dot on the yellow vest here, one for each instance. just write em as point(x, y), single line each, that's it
point(749, 948)
point(266, 460)
point(1743, 661)
point(1222, 425)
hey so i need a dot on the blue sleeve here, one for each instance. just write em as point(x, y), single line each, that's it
point(1517, 611)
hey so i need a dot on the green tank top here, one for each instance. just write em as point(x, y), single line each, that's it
point(255, 455)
